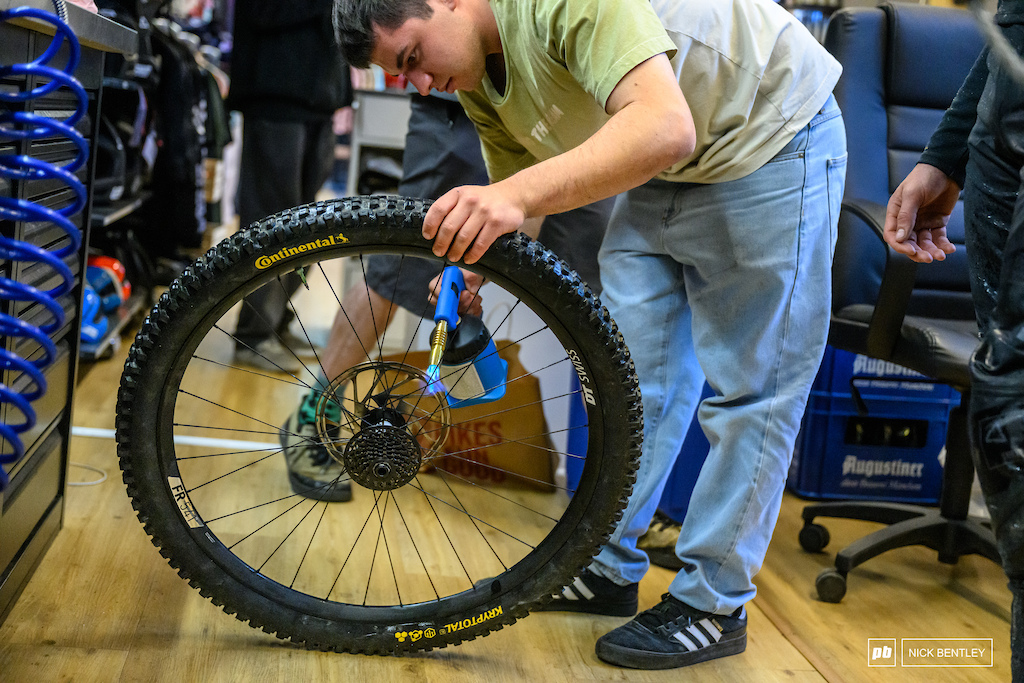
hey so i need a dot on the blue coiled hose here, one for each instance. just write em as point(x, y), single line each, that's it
point(18, 125)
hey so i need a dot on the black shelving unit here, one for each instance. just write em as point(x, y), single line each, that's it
point(32, 506)
point(140, 299)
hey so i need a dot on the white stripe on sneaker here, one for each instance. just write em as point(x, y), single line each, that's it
point(710, 629)
point(568, 594)
point(687, 643)
point(696, 633)
point(582, 589)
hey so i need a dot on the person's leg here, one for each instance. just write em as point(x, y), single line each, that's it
point(654, 316)
point(756, 260)
point(275, 175)
point(760, 328)
point(994, 216)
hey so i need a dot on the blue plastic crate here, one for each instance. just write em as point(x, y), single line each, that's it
point(884, 447)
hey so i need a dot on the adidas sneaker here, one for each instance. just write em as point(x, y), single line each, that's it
point(594, 594)
point(672, 634)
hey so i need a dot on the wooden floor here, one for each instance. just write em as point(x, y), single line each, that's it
point(104, 606)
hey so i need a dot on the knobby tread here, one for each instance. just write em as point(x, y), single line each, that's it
point(378, 220)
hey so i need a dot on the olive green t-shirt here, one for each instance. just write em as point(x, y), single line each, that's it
point(751, 73)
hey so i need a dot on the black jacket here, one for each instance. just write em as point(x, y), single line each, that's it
point(284, 62)
point(947, 148)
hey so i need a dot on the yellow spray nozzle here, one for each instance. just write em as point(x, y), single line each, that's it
point(438, 341)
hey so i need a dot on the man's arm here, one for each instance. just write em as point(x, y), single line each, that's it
point(650, 129)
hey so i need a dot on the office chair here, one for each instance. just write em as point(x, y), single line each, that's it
point(902, 66)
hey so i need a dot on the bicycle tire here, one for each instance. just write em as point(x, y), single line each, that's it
point(154, 456)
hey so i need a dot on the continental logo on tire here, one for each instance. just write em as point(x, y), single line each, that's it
point(265, 261)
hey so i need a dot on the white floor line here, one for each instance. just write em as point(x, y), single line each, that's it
point(92, 432)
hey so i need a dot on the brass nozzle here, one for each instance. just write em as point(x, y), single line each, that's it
point(438, 340)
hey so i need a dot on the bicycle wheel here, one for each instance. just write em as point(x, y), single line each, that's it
point(425, 554)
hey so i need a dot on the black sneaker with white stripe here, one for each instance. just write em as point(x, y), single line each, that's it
point(673, 634)
point(594, 594)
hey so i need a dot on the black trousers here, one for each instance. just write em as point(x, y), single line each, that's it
point(284, 164)
point(994, 220)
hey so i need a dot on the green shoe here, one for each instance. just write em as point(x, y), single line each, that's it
point(312, 472)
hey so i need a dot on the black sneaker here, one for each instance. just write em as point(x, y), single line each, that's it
point(673, 634)
point(312, 472)
point(659, 541)
point(594, 594)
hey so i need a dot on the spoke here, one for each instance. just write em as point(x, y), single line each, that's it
point(298, 319)
point(274, 448)
point(265, 524)
point(250, 371)
point(466, 512)
point(387, 548)
point(427, 496)
point(420, 391)
point(231, 410)
point(234, 471)
point(493, 492)
point(305, 553)
point(523, 477)
point(426, 572)
point(351, 550)
point(289, 534)
point(373, 559)
point(504, 442)
point(475, 525)
point(429, 416)
point(341, 307)
point(276, 432)
point(239, 341)
point(298, 496)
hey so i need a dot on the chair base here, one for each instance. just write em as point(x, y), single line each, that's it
point(907, 525)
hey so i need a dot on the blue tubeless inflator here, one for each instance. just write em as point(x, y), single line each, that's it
point(26, 125)
point(463, 363)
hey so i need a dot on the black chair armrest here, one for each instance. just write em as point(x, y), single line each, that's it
point(896, 286)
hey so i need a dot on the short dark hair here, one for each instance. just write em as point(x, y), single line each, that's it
point(355, 20)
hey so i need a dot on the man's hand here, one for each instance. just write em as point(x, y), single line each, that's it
point(469, 300)
point(465, 221)
point(917, 214)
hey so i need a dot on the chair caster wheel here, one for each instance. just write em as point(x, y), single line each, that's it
point(831, 585)
point(814, 537)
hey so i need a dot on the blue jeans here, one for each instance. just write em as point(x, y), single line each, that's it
point(732, 282)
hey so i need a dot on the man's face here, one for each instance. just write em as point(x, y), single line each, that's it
point(442, 53)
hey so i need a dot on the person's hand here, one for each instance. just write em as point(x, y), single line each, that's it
point(917, 214)
point(342, 120)
point(465, 221)
point(469, 299)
